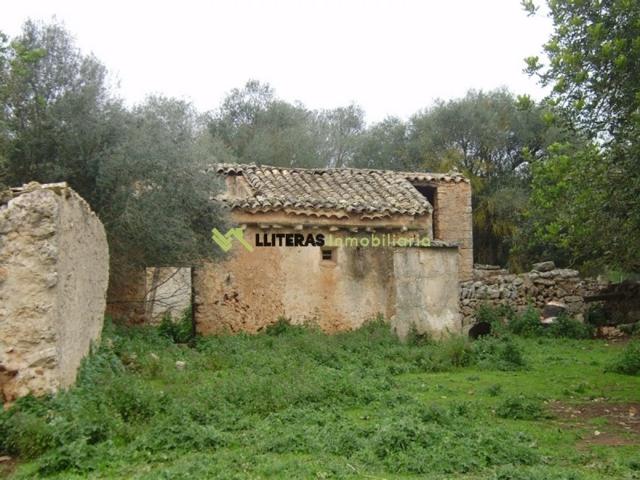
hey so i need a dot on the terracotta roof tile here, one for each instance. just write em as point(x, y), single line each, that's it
point(348, 189)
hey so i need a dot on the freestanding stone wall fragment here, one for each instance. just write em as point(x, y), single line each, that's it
point(427, 288)
point(54, 268)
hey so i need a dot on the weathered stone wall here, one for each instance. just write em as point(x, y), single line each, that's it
point(168, 292)
point(453, 222)
point(127, 296)
point(427, 287)
point(250, 290)
point(544, 284)
point(53, 279)
point(145, 295)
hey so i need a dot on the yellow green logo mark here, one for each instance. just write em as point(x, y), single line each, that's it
point(225, 241)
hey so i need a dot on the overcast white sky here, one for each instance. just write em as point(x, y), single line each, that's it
point(391, 57)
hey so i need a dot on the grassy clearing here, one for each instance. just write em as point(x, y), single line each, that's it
point(295, 403)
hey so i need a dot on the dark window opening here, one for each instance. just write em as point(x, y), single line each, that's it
point(328, 254)
point(429, 192)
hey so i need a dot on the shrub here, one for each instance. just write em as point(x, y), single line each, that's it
point(179, 331)
point(499, 353)
point(455, 351)
point(283, 326)
point(26, 434)
point(521, 408)
point(443, 440)
point(494, 390)
point(628, 362)
point(567, 327)
point(496, 316)
point(416, 338)
point(527, 324)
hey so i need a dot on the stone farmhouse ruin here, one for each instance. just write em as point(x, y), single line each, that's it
point(327, 247)
point(347, 280)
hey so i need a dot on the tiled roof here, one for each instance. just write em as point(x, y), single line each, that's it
point(346, 189)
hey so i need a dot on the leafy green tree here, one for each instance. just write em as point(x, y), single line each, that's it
point(385, 145)
point(593, 66)
point(341, 130)
point(154, 195)
point(494, 138)
point(5, 52)
point(142, 171)
point(54, 99)
point(486, 134)
point(256, 127)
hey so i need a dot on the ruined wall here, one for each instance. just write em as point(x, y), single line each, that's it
point(169, 292)
point(545, 283)
point(250, 290)
point(145, 295)
point(127, 296)
point(454, 223)
point(53, 279)
point(427, 287)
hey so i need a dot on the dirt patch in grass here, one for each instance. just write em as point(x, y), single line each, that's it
point(7, 466)
point(610, 424)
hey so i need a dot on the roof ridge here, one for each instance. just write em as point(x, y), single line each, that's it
point(224, 167)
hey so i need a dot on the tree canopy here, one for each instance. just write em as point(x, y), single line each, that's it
point(557, 178)
point(140, 169)
point(586, 200)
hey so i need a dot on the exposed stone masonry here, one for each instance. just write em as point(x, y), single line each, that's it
point(494, 286)
point(54, 270)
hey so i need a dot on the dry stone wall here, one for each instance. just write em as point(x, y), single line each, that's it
point(545, 283)
point(53, 279)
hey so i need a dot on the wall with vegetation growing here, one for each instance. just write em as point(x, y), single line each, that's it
point(545, 283)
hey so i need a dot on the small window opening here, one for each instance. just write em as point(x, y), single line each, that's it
point(429, 193)
point(328, 254)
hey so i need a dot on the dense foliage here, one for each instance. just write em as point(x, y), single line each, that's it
point(141, 169)
point(555, 179)
point(628, 362)
point(586, 200)
point(505, 320)
point(294, 402)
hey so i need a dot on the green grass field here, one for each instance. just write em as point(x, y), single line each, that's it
point(295, 403)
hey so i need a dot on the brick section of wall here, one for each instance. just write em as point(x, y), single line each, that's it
point(454, 222)
point(250, 290)
point(127, 296)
